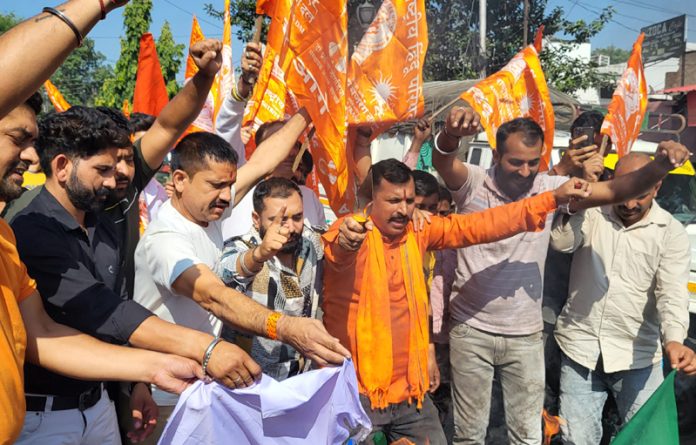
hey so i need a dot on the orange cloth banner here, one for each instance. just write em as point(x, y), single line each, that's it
point(385, 81)
point(628, 104)
point(150, 95)
point(306, 64)
point(126, 108)
point(56, 98)
point(517, 90)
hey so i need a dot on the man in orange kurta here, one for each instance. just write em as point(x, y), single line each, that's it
point(375, 299)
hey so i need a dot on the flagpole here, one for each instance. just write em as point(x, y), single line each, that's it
point(258, 29)
point(603, 147)
point(442, 109)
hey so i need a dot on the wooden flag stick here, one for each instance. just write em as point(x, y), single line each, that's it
point(258, 28)
point(442, 109)
point(303, 148)
point(605, 140)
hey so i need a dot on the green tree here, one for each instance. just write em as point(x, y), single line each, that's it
point(616, 55)
point(170, 55)
point(7, 21)
point(120, 86)
point(242, 16)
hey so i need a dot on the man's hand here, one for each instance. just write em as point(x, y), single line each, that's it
point(232, 367)
point(672, 154)
point(572, 161)
point(274, 240)
point(681, 357)
point(207, 55)
point(572, 190)
point(144, 411)
point(422, 131)
point(420, 218)
point(352, 233)
point(593, 168)
point(433, 370)
point(462, 122)
point(310, 338)
point(175, 374)
point(251, 62)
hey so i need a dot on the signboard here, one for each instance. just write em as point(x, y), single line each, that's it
point(664, 40)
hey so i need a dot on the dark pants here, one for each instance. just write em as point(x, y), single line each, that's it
point(420, 426)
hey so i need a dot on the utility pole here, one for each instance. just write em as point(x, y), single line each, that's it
point(525, 24)
point(482, 38)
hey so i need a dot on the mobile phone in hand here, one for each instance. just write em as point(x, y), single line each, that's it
point(584, 131)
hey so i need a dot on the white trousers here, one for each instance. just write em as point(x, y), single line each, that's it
point(94, 426)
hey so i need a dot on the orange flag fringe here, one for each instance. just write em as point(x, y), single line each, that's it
point(150, 95)
point(517, 90)
point(628, 103)
point(56, 98)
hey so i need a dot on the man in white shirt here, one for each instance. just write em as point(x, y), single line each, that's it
point(627, 300)
point(178, 255)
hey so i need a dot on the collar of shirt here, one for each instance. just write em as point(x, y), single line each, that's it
point(55, 210)
point(653, 217)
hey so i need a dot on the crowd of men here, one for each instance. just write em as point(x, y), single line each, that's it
point(431, 289)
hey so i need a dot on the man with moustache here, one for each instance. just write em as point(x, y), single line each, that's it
point(375, 297)
point(627, 301)
point(179, 253)
point(278, 264)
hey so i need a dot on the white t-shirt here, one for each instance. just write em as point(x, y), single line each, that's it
point(170, 245)
point(239, 222)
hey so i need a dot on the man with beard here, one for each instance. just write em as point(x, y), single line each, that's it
point(179, 253)
point(496, 298)
point(278, 264)
point(627, 300)
point(375, 297)
point(71, 248)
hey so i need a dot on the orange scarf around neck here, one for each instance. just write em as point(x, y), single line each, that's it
point(373, 324)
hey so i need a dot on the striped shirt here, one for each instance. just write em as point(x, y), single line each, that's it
point(498, 286)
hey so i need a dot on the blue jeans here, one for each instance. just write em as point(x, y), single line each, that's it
point(584, 392)
point(519, 360)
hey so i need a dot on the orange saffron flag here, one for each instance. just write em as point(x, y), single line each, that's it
point(385, 81)
point(126, 108)
point(628, 103)
point(517, 90)
point(150, 95)
point(206, 118)
point(56, 98)
point(538, 38)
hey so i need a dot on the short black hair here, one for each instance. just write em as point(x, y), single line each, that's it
point(193, 152)
point(444, 194)
point(140, 122)
point(426, 184)
point(266, 130)
point(526, 125)
point(592, 118)
point(306, 163)
point(35, 102)
point(117, 116)
point(273, 187)
point(391, 170)
point(78, 133)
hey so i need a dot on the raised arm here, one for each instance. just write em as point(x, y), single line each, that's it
point(362, 156)
point(49, 41)
point(421, 133)
point(270, 153)
point(460, 122)
point(176, 117)
point(527, 215)
point(669, 155)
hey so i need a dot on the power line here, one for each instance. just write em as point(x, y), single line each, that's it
point(217, 25)
point(653, 7)
point(594, 11)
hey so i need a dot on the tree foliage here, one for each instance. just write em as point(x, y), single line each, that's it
point(170, 55)
point(242, 16)
point(120, 86)
point(7, 21)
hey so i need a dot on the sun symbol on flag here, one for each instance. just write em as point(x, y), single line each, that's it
point(382, 92)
